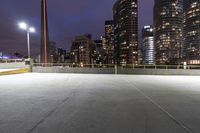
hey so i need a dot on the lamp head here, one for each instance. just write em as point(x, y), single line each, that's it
point(23, 26)
point(32, 29)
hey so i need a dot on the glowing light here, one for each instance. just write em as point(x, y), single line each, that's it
point(23, 26)
point(31, 29)
point(81, 64)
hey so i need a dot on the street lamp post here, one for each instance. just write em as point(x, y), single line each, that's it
point(28, 44)
point(29, 30)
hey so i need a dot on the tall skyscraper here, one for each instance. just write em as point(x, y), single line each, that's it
point(126, 31)
point(45, 48)
point(148, 49)
point(168, 22)
point(110, 44)
point(192, 31)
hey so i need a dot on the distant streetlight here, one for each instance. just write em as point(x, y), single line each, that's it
point(24, 26)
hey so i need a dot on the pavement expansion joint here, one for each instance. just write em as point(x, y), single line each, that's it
point(48, 115)
point(179, 123)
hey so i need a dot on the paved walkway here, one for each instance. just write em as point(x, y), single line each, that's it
point(75, 103)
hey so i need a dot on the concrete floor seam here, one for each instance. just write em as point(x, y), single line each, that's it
point(188, 130)
point(48, 115)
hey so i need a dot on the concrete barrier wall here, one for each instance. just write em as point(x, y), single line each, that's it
point(119, 71)
point(73, 70)
point(14, 65)
point(159, 71)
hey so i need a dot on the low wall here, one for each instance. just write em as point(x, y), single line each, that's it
point(13, 65)
point(73, 70)
point(119, 71)
point(159, 71)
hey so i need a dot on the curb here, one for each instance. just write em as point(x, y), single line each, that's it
point(18, 71)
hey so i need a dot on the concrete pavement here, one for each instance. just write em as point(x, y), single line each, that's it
point(75, 103)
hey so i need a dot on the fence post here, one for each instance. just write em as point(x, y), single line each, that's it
point(185, 65)
point(133, 66)
point(116, 72)
point(31, 65)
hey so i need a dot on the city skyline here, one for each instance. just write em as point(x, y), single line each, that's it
point(62, 21)
point(99, 66)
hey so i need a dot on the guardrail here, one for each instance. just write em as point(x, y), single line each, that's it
point(114, 69)
point(69, 65)
point(11, 60)
point(73, 65)
point(12, 65)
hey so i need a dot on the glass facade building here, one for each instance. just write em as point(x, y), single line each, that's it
point(168, 22)
point(148, 49)
point(192, 31)
point(110, 44)
point(126, 31)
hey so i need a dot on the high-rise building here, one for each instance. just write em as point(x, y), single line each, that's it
point(68, 58)
point(168, 22)
point(61, 54)
point(126, 31)
point(110, 44)
point(148, 49)
point(52, 51)
point(45, 48)
point(140, 58)
point(99, 53)
point(82, 50)
point(192, 31)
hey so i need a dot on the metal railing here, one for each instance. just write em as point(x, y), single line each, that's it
point(11, 60)
point(73, 65)
point(69, 65)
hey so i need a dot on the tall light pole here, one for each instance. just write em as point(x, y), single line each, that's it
point(24, 26)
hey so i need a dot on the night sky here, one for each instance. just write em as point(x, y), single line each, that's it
point(67, 18)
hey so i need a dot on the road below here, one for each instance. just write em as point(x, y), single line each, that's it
point(78, 103)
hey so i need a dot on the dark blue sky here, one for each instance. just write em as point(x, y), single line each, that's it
point(67, 18)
